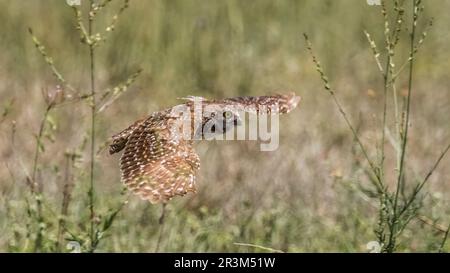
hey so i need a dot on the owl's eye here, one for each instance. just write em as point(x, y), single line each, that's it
point(227, 114)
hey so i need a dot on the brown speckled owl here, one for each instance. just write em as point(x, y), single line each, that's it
point(159, 162)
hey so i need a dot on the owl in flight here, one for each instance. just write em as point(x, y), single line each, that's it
point(159, 162)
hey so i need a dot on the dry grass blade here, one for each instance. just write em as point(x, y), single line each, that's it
point(260, 247)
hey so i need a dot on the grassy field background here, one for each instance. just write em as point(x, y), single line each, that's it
point(306, 196)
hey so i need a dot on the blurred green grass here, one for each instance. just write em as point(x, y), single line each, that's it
point(302, 197)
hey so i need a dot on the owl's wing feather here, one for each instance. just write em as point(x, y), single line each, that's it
point(120, 140)
point(275, 104)
point(155, 166)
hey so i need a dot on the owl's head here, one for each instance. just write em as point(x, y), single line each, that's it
point(228, 119)
point(219, 122)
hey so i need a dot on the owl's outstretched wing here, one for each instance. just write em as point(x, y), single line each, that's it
point(120, 140)
point(275, 104)
point(155, 166)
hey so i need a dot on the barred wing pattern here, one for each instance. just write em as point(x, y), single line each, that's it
point(276, 104)
point(154, 165)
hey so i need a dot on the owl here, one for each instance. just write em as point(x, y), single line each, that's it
point(159, 160)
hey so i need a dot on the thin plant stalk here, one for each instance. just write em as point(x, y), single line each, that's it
point(393, 226)
point(93, 115)
point(35, 188)
point(67, 196)
point(419, 186)
point(39, 142)
point(444, 240)
point(385, 89)
point(161, 227)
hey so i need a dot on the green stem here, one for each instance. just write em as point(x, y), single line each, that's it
point(383, 133)
point(394, 223)
point(35, 189)
point(161, 227)
point(408, 106)
point(38, 142)
point(93, 110)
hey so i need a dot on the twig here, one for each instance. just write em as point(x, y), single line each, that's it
point(431, 223)
point(49, 61)
point(67, 196)
point(161, 227)
point(35, 188)
point(419, 186)
point(117, 91)
point(91, 192)
point(444, 240)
